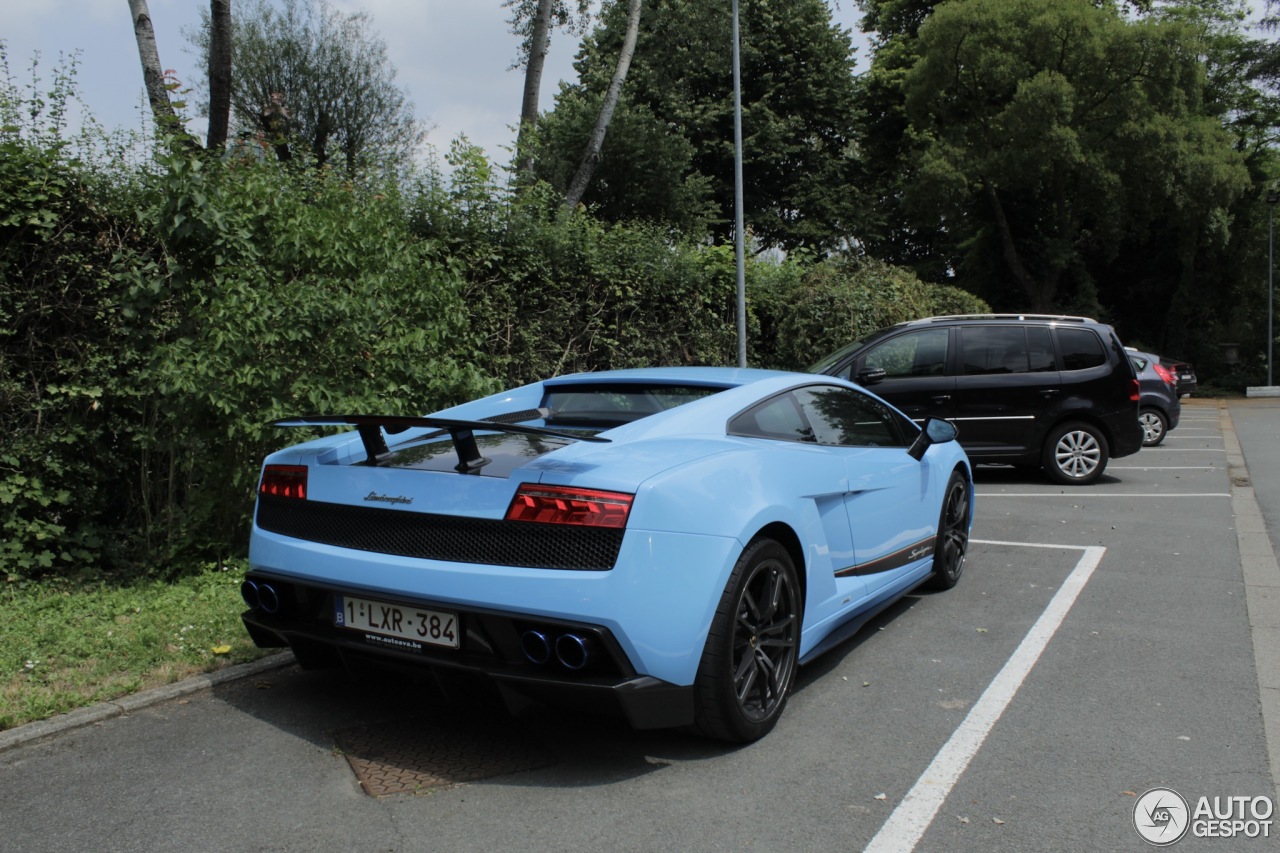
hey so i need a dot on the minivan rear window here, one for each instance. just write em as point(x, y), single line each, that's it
point(1080, 349)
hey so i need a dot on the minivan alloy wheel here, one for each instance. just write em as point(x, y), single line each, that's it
point(1076, 454)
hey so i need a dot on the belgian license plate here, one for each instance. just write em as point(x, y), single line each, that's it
point(394, 625)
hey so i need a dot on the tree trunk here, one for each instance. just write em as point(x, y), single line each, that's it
point(1039, 294)
point(219, 73)
point(591, 157)
point(275, 124)
point(538, 41)
point(152, 73)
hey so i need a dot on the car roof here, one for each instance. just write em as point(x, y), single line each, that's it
point(1050, 318)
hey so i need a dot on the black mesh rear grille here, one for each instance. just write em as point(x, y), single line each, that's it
point(442, 537)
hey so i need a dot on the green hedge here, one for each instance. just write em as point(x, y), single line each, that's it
point(152, 330)
point(836, 301)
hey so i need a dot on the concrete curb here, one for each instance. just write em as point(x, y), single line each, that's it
point(1262, 589)
point(137, 701)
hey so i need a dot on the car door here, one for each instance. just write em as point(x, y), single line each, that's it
point(1006, 380)
point(891, 513)
point(820, 475)
point(910, 371)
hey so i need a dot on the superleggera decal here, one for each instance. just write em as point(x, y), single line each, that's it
point(902, 557)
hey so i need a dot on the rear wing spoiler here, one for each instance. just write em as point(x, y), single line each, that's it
point(462, 432)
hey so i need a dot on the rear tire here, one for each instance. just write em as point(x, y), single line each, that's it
point(752, 650)
point(952, 542)
point(1075, 454)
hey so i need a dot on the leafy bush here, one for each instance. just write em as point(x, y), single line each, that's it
point(63, 352)
point(277, 294)
point(838, 301)
point(556, 292)
point(152, 330)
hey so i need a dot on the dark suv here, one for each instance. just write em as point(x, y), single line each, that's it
point(1024, 389)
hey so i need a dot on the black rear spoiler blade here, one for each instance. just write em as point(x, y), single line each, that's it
point(462, 432)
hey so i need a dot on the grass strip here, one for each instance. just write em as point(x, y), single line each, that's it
point(65, 645)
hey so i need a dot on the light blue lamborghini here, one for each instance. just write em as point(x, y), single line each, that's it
point(671, 542)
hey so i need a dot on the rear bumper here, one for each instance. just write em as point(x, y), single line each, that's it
point(490, 643)
point(1125, 432)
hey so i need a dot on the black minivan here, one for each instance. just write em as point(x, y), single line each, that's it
point(1024, 389)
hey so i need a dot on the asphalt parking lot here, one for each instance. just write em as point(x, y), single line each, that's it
point(1101, 644)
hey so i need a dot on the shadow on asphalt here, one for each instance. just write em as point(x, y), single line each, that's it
point(331, 708)
point(1009, 475)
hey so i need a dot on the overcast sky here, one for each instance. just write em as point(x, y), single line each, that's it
point(452, 56)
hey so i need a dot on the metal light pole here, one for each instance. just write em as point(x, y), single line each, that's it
point(1272, 197)
point(739, 250)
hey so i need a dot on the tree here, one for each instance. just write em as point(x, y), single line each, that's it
point(152, 71)
point(219, 73)
point(533, 21)
point(309, 72)
point(1210, 290)
point(591, 157)
point(1046, 131)
point(669, 156)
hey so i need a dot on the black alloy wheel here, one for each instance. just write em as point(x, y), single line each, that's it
point(953, 534)
point(753, 647)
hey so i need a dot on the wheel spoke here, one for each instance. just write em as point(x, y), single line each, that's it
point(744, 675)
point(774, 589)
point(749, 605)
point(777, 627)
point(959, 509)
point(769, 686)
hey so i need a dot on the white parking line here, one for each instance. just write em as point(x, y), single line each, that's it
point(1163, 468)
point(909, 821)
point(1077, 494)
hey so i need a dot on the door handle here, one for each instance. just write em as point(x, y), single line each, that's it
point(1049, 392)
point(941, 398)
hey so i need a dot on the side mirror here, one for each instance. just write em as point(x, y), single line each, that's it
point(871, 375)
point(935, 431)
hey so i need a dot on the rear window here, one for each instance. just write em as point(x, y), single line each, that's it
point(826, 415)
point(614, 404)
point(1080, 349)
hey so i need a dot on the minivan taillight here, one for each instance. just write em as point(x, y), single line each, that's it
point(565, 505)
point(1135, 391)
point(284, 481)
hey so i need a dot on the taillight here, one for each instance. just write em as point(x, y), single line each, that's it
point(566, 505)
point(284, 481)
point(1165, 374)
point(1135, 391)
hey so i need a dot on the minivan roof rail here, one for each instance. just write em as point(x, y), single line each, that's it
point(1065, 317)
